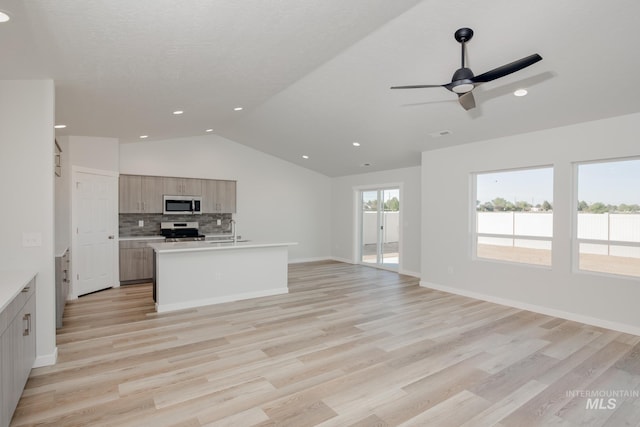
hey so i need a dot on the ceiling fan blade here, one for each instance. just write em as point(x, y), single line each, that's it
point(512, 67)
point(415, 86)
point(467, 100)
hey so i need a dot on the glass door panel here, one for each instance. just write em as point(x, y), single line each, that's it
point(390, 229)
point(380, 227)
point(369, 231)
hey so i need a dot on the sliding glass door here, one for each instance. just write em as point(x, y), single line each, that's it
point(380, 227)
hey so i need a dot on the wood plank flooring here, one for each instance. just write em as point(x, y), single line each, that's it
point(348, 346)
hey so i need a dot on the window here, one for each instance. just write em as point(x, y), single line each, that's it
point(514, 215)
point(608, 217)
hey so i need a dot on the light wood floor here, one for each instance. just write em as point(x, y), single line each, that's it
point(348, 346)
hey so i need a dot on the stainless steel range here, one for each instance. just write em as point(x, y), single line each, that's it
point(180, 231)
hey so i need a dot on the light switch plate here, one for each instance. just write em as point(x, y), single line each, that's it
point(219, 222)
point(141, 223)
point(31, 239)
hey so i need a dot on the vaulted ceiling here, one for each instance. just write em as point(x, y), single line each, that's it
point(313, 76)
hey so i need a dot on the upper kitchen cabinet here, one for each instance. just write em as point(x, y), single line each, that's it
point(141, 194)
point(182, 186)
point(219, 196)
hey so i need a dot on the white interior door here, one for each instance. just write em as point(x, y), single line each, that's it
point(95, 220)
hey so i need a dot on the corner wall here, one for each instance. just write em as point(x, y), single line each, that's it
point(26, 171)
point(446, 235)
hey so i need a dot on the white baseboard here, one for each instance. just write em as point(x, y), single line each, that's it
point(211, 301)
point(410, 273)
point(301, 260)
point(576, 317)
point(345, 260)
point(46, 359)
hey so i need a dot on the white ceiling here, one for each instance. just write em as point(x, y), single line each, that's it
point(314, 76)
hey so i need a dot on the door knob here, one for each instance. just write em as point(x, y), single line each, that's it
point(111, 237)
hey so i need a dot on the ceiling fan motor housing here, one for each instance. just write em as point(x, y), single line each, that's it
point(461, 81)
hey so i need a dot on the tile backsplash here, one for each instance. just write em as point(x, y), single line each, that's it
point(208, 223)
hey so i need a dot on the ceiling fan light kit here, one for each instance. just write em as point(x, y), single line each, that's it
point(464, 81)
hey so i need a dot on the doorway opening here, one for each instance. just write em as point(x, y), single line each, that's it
point(380, 227)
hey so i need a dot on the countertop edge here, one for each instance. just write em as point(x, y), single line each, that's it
point(163, 248)
point(126, 238)
point(11, 284)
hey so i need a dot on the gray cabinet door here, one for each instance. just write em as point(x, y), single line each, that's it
point(151, 191)
point(219, 196)
point(136, 261)
point(182, 186)
point(131, 264)
point(140, 194)
point(227, 196)
point(130, 187)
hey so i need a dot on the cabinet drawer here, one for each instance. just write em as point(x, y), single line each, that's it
point(14, 307)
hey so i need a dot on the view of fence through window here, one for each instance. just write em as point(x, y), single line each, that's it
point(514, 215)
point(608, 217)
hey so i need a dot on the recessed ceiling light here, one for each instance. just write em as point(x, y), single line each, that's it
point(60, 126)
point(4, 17)
point(238, 109)
point(178, 112)
point(520, 92)
point(144, 136)
point(305, 157)
point(356, 144)
point(209, 130)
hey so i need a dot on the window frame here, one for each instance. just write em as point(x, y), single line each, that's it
point(576, 241)
point(473, 222)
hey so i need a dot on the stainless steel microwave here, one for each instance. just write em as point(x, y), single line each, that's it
point(182, 205)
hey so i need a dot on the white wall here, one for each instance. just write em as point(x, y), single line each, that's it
point(94, 153)
point(26, 173)
point(343, 214)
point(277, 200)
point(446, 244)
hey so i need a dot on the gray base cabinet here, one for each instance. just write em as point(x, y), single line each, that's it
point(63, 270)
point(17, 349)
point(136, 261)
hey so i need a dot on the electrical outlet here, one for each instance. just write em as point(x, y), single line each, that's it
point(219, 222)
point(141, 223)
point(31, 239)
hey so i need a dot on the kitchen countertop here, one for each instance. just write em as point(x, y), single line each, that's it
point(11, 284)
point(175, 247)
point(154, 237)
point(158, 237)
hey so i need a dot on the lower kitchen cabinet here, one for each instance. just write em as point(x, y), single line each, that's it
point(62, 285)
point(17, 349)
point(136, 261)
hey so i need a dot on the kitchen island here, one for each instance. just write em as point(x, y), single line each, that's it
point(193, 274)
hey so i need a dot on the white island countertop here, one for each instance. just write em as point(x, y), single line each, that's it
point(212, 245)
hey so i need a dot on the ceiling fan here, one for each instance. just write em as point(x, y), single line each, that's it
point(463, 80)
